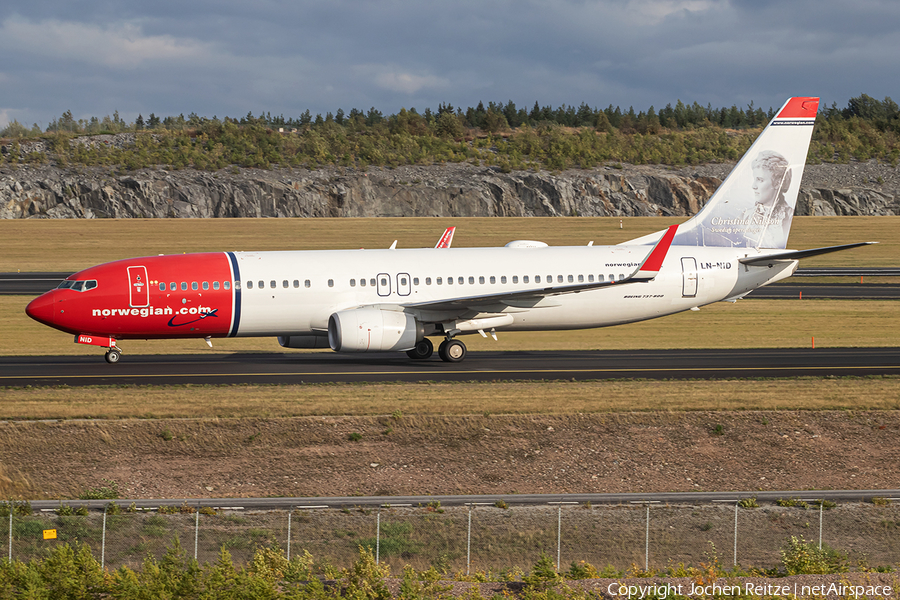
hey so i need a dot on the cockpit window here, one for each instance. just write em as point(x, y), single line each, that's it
point(78, 286)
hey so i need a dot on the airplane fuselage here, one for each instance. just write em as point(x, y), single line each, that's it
point(293, 294)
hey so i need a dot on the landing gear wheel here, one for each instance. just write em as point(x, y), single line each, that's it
point(452, 351)
point(113, 355)
point(424, 349)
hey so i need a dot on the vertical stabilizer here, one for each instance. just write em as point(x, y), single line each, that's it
point(754, 206)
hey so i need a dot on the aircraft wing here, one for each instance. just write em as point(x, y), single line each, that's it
point(648, 269)
point(798, 254)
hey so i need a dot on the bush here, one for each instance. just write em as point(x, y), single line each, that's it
point(800, 557)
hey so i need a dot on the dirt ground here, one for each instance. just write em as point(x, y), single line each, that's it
point(489, 454)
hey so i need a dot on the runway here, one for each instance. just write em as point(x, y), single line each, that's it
point(485, 500)
point(328, 367)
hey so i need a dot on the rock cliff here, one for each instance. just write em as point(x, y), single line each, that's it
point(444, 190)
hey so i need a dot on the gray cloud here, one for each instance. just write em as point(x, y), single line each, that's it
point(227, 57)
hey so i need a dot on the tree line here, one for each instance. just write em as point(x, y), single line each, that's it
point(498, 134)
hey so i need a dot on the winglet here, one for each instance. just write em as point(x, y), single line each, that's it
point(653, 263)
point(446, 239)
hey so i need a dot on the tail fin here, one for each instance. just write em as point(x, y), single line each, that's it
point(754, 206)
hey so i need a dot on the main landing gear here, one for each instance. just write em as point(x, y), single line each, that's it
point(452, 350)
point(113, 355)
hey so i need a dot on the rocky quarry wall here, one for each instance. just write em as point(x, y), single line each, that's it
point(442, 190)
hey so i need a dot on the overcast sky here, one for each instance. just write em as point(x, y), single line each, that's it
point(229, 57)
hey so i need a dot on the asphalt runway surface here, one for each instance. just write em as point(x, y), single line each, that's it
point(489, 500)
point(33, 284)
point(329, 367)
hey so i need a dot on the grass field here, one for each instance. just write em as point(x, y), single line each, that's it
point(70, 245)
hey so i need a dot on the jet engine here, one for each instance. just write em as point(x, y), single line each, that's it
point(373, 330)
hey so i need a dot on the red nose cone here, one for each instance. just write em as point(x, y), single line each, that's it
point(41, 308)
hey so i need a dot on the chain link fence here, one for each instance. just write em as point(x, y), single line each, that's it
point(466, 539)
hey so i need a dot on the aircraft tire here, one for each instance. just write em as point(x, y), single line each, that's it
point(452, 351)
point(113, 356)
point(423, 350)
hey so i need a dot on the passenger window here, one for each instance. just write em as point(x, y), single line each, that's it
point(612, 277)
point(461, 280)
point(249, 285)
point(415, 281)
point(183, 286)
point(261, 285)
point(581, 279)
point(525, 279)
point(162, 286)
point(173, 286)
point(271, 284)
point(515, 279)
point(296, 283)
point(449, 281)
point(537, 278)
point(306, 283)
point(571, 279)
point(559, 278)
point(362, 282)
point(481, 279)
point(331, 283)
point(493, 279)
point(384, 281)
point(403, 281)
point(428, 281)
point(590, 278)
point(237, 285)
point(503, 279)
point(372, 282)
point(284, 284)
point(194, 286)
point(600, 278)
point(621, 277)
point(352, 283)
point(215, 285)
point(440, 281)
point(549, 278)
point(205, 285)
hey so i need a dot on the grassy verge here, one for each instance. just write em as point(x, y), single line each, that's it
point(448, 399)
point(70, 245)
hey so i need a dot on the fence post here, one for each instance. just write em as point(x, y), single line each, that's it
point(10, 531)
point(103, 541)
point(469, 543)
point(647, 542)
point(290, 511)
point(378, 537)
point(196, 530)
point(736, 505)
point(558, 536)
point(821, 504)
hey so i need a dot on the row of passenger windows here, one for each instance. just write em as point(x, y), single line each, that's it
point(372, 282)
point(173, 286)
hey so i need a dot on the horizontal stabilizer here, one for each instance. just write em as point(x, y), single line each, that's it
point(798, 254)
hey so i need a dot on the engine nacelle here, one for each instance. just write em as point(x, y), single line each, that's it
point(373, 330)
point(303, 341)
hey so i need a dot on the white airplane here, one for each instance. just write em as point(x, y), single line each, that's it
point(396, 299)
